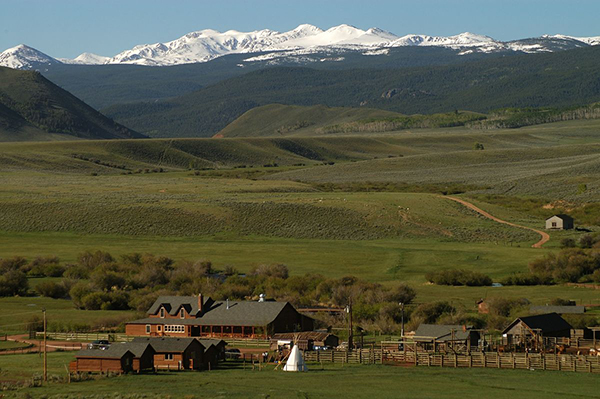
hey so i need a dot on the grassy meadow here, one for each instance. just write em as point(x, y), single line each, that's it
point(328, 381)
point(249, 201)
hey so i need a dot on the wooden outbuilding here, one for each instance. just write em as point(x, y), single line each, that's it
point(444, 337)
point(306, 340)
point(559, 222)
point(530, 332)
point(196, 316)
point(175, 353)
point(118, 358)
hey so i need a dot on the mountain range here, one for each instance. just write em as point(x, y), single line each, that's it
point(299, 43)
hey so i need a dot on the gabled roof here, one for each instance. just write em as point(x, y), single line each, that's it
point(216, 342)
point(441, 332)
point(217, 313)
point(547, 323)
point(167, 345)
point(173, 303)
point(557, 309)
point(115, 351)
point(561, 216)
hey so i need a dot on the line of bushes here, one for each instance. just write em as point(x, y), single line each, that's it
point(458, 277)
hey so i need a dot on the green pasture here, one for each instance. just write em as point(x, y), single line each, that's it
point(328, 381)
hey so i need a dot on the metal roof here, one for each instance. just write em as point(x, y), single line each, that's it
point(218, 313)
point(166, 344)
point(115, 351)
point(173, 303)
point(547, 323)
point(441, 332)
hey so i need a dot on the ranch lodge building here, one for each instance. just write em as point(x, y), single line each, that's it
point(197, 316)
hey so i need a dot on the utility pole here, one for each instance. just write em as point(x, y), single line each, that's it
point(45, 349)
point(402, 320)
point(349, 311)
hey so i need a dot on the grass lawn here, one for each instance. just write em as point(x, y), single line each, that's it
point(334, 381)
point(9, 345)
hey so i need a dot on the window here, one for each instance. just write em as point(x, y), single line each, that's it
point(162, 313)
point(159, 328)
point(147, 328)
point(168, 356)
point(182, 313)
point(554, 224)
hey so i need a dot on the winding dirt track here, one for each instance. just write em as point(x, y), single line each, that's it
point(545, 236)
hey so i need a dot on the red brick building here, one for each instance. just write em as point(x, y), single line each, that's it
point(196, 316)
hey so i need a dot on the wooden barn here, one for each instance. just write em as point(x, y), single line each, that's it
point(118, 358)
point(196, 316)
point(219, 348)
point(307, 340)
point(528, 333)
point(559, 222)
point(444, 337)
point(176, 353)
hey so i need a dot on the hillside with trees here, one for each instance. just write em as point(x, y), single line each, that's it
point(33, 108)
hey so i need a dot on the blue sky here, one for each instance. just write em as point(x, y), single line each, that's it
point(66, 28)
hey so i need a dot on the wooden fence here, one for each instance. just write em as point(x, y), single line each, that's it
point(523, 361)
point(359, 356)
point(77, 336)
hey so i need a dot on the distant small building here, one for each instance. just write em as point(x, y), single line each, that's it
point(483, 307)
point(559, 222)
point(557, 309)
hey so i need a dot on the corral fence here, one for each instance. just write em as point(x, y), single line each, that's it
point(359, 356)
point(523, 361)
point(120, 337)
point(78, 336)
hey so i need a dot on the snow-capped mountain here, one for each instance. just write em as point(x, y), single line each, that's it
point(86, 59)
point(25, 57)
point(205, 45)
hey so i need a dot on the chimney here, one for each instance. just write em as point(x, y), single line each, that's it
point(200, 301)
point(464, 328)
point(227, 303)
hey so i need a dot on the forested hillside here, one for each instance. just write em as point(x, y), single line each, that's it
point(556, 80)
point(33, 108)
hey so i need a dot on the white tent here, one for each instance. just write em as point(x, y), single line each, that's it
point(295, 361)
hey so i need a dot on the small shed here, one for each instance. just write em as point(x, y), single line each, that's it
point(529, 332)
point(559, 222)
point(118, 358)
point(306, 340)
point(434, 337)
point(175, 353)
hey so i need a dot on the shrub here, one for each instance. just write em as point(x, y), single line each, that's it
point(52, 289)
point(13, 283)
point(273, 270)
point(430, 312)
point(14, 263)
point(458, 277)
point(401, 293)
point(562, 302)
point(568, 243)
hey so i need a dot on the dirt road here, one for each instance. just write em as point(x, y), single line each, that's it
point(545, 237)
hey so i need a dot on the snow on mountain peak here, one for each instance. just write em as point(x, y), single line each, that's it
point(208, 44)
point(24, 57)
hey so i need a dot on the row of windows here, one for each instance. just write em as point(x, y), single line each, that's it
point(168, 328)
point(179, 329)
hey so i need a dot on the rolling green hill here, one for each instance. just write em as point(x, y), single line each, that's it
point(559, 80)
point(33, 108)
point(293, 120)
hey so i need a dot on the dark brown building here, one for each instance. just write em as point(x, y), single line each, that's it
point(196, 316)
point(175, 353)
point(529, 332)
point(118, 358)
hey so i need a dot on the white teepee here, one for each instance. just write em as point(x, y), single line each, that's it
point(295, 361)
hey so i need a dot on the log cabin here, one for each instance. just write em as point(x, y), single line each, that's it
point(197, 316)
point(118, 358)
point(176, 353)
